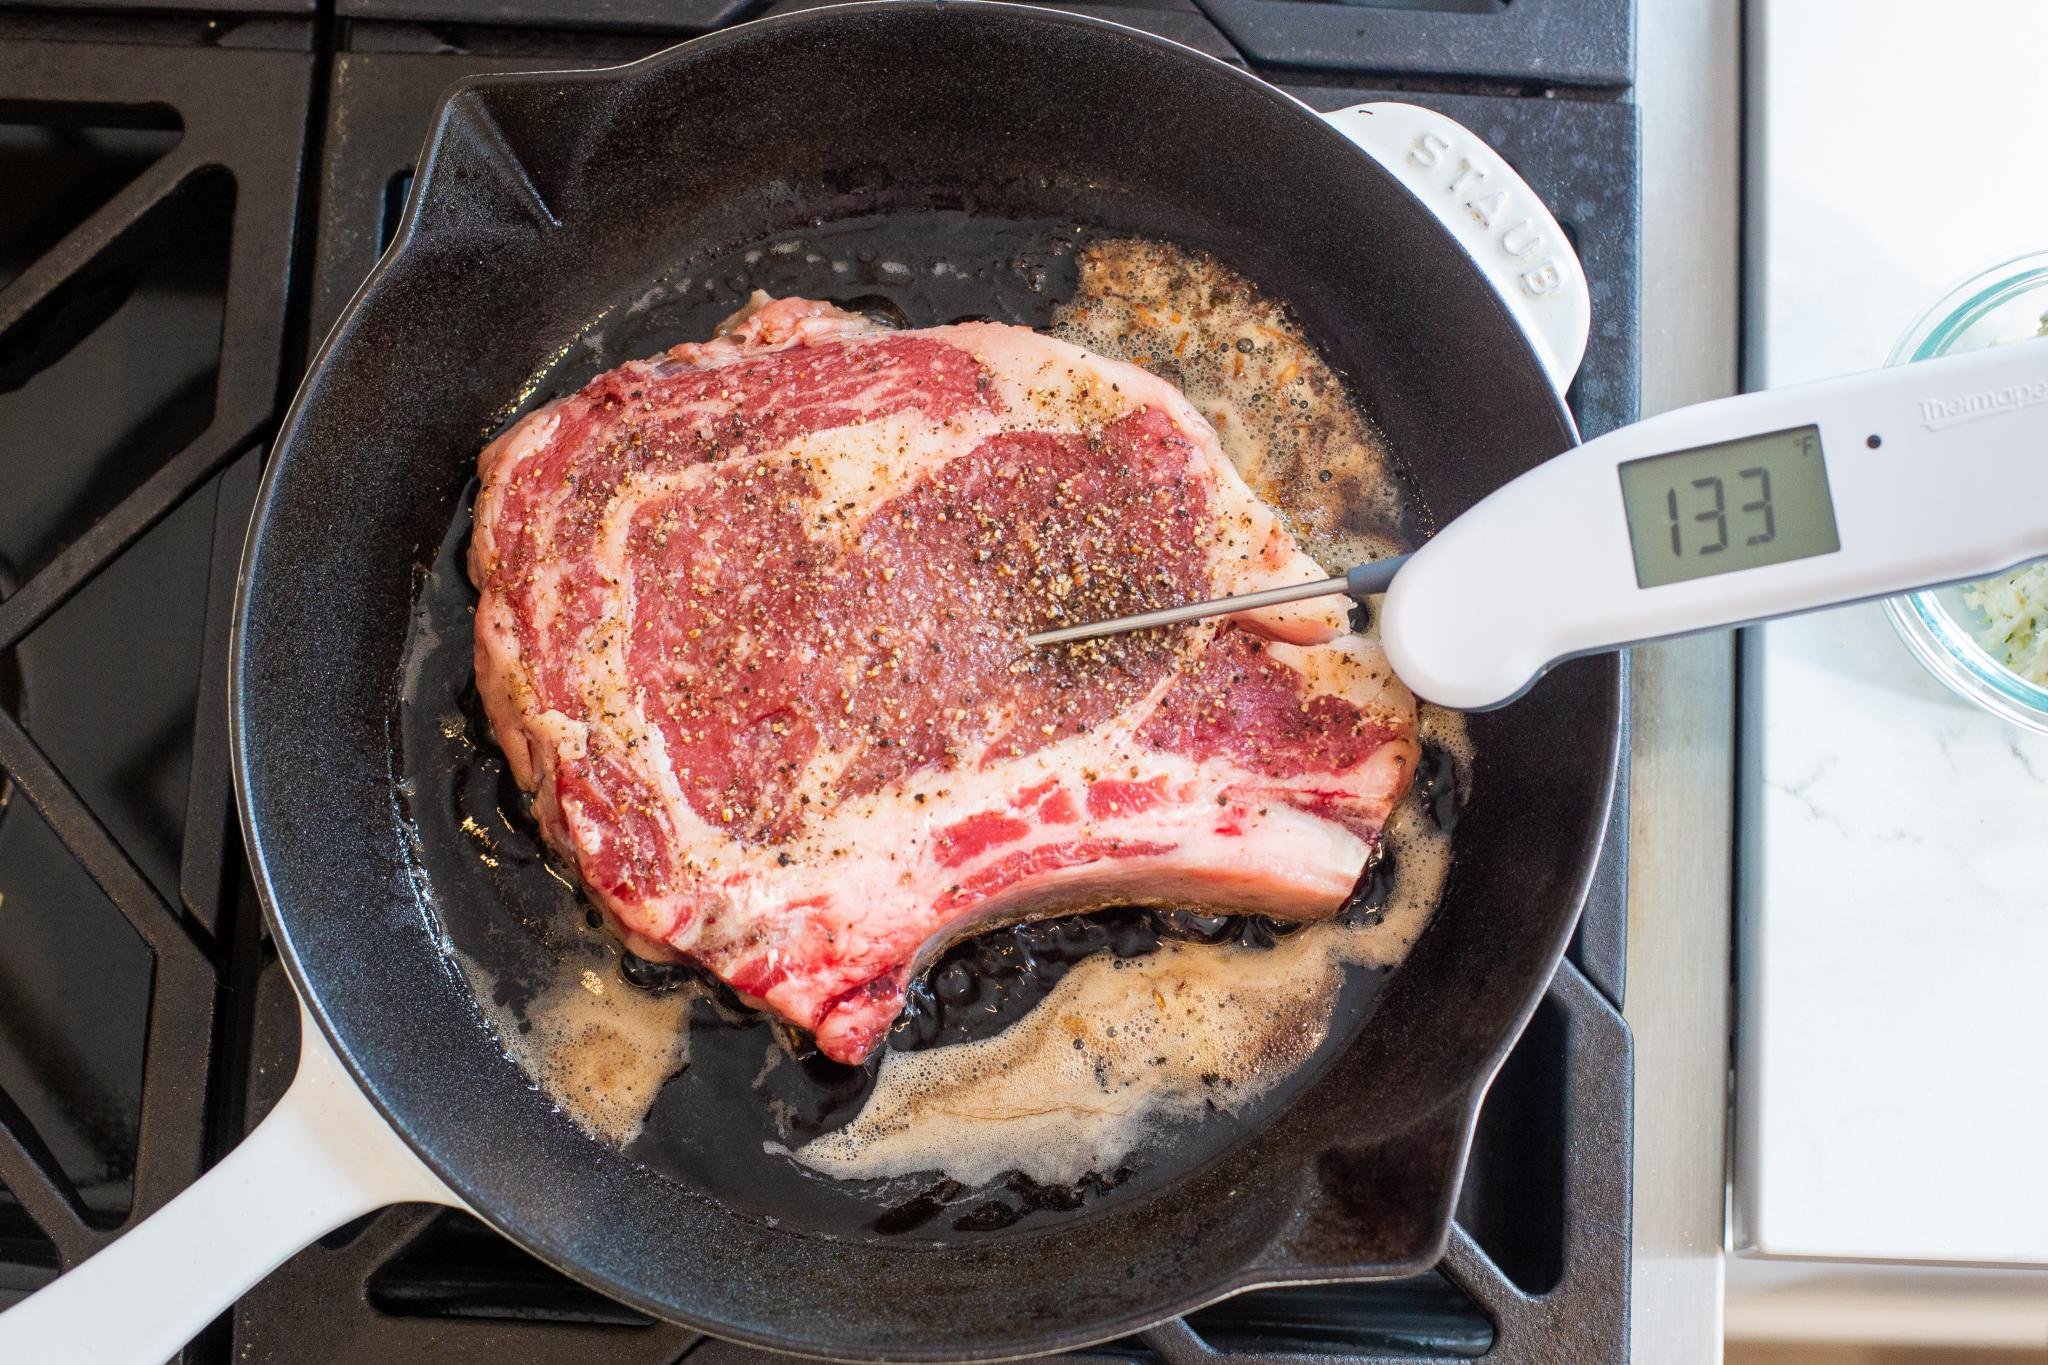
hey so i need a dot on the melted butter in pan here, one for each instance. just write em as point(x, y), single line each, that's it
point(597, 1047)
point(1074, 1085)
point(1280, 411)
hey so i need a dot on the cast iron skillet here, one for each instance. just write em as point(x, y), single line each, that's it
point(547, 204)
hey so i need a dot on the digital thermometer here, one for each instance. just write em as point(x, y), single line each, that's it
point(1726, 512)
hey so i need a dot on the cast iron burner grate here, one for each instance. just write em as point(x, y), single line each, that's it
point(144, 249)
point(10, 682)
point(157, 259)
point(1530, 45)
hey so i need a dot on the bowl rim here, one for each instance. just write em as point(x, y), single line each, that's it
point(1945, 646)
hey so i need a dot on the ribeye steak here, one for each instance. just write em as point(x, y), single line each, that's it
point(751, 631)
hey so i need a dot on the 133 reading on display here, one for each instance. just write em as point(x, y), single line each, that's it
point(1735, 505)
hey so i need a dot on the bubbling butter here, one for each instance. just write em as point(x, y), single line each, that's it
point(1074, 1085)
point(1280, 412)
point(597, 1047)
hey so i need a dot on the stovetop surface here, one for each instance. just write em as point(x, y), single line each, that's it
point(193, 198)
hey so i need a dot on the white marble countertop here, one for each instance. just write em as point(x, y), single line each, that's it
point(1892, 960)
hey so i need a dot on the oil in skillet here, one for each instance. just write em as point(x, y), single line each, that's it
point(902, 270)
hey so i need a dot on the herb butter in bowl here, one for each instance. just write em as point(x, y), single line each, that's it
point(1987, 640)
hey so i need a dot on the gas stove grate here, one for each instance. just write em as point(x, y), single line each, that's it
point(174, 234)
point(1537, 1267)
point(1530, 45)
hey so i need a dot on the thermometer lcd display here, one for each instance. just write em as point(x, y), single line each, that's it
point(1737, 505)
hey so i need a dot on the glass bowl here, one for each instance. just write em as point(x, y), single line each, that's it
point(2007, 303)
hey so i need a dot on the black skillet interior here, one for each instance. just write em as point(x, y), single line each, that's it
point(547, 208)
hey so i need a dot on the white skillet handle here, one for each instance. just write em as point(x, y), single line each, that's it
point(1494, 215)
point(321, 1157)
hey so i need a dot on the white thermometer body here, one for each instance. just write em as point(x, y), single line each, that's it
point(1731, 511)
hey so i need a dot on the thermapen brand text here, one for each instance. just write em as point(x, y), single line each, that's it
point(1938, 413)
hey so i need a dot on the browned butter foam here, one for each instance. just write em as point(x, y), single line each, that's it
point(597, 1047)
point(1280, 412)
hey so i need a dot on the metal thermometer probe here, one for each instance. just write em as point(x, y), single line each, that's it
point(1367, 580)
point(1723, 513)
